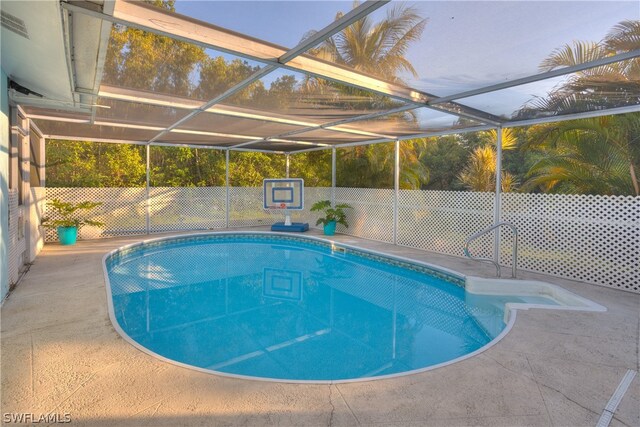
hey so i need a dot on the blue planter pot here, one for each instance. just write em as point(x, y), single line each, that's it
point(330, 228)
point(67, 235)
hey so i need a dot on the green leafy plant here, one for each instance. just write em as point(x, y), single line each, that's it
point(69, 214)
point(335, 213)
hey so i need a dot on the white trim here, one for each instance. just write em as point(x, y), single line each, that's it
point(472, 282)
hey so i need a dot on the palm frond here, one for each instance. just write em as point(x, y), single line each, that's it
point(624, 36)
point(568, 55)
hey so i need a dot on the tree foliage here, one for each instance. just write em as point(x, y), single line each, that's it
point(595, 156)
point(479, 174)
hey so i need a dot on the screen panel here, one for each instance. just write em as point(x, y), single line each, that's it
point(292, 19)
point(143, 60)
point(449, 47)
point(600, 88)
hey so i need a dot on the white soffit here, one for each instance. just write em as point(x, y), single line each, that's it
point(39, 61)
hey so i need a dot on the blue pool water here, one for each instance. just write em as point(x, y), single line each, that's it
point(293, 309)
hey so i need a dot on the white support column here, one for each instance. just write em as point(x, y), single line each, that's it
point(226, 180)
point(287, 164)
point(497, 200)
point(147, 188)
point(287, 213)
point(333, 176)
point(396, 190)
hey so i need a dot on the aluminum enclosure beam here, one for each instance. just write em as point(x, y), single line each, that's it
point(149, 18)
point(334, 125)
point(156, 144)
point(129, 95)
point(226, 184)
point(333, 176)
point(537, 77)
point(147, 187)
point(166, 23)
point(336, 26)
point(497, 198)
point(396, 189)
point(402, 138)
point(228, 93)
point(583, 115)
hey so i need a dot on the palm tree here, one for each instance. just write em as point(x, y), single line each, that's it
point(606, 86)
point(376, 48)
point(379, 49)
point(593, 156)
point(371, 166)
point(600, 155)
point(479, 174)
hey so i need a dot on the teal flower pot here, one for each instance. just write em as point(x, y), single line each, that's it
point(67, 235)
point(330, 228)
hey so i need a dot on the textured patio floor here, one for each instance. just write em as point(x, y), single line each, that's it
point(60, 354)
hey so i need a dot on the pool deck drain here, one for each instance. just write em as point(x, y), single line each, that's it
point(61, 355)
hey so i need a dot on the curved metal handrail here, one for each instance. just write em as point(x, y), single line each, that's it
point(514, 254)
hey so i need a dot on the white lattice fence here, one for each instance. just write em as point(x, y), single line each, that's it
point(123, 210)
point(372, 213)
point(17, 243)
point(590, 238)
point(595, 239)
point(312, 195)
point(440, 221)
point(186, 208)
point(246, 208)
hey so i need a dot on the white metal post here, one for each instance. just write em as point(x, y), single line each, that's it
point(497, 200)
point(333, 176)
point(147, 185)
point(396, 190)
point(226, 180)
point(287, 164)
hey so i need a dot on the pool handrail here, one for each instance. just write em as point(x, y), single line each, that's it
point(496, 263)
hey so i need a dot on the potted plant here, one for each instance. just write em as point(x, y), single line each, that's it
point(69, 219)
point(332, 215)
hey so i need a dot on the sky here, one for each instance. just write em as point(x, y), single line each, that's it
point(465, 44)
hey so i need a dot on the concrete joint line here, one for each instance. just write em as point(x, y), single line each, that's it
point(616, 398)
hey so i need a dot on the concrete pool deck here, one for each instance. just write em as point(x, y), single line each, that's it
point(61, 355)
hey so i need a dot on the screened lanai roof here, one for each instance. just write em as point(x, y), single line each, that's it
point(473, 65)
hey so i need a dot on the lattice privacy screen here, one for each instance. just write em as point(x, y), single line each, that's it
point(441, 221)
point(372, 213)
point(17, 243)
point(123, 210)
point(595, 239)
point(590, 238)
point(187, 208)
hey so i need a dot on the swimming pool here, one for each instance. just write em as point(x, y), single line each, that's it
point(292, 308)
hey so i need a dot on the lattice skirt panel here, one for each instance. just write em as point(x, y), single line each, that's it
point(123, 210)
point(187, 208)
point(246, 208)
point(595, 239)
point(441, 221)
point(372, 213)
point(17, 241)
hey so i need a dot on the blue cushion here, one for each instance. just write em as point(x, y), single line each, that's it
point(295, 226)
